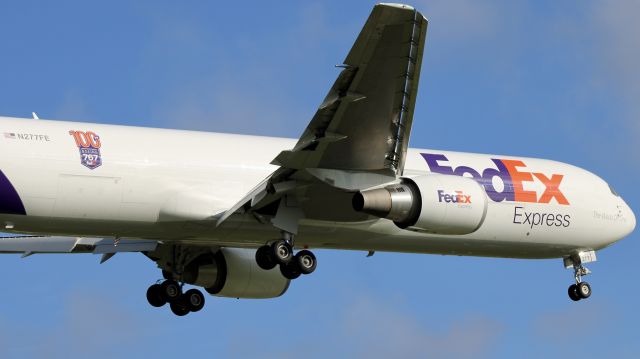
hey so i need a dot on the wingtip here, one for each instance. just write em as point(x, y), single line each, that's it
point(402, 6)
point(397, 5)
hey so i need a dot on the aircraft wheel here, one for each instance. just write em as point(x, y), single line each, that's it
point(265, 258)
point(306, 261)
point(178, 308)
point(290, 270)
point(583, 290)
point(194, 300)
point(282, 252)
point(154, 296)
point(170, 290)
point(573, 293)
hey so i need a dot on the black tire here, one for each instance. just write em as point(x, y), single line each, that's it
point(154, 296)
point(179, 308)
point(282, 252)
point(193, 299)
point(583, 290)
point(170, 290)
point(265, 259)
point(573, 293)
point(290, 270)
point(306, 261)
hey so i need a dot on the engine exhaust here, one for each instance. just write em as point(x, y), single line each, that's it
point(397, 202)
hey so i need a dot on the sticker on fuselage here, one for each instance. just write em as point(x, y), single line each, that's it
point(89, 145)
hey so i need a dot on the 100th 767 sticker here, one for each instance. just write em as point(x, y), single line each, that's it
point(89, 145)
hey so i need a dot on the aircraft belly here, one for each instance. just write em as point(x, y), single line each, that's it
point(244, 231)
point(383, 235)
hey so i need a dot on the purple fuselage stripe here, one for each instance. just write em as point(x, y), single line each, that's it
point(10, 201)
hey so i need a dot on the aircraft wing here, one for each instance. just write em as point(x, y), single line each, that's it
point(359, 135)
point(28, 245)
point(365, 120)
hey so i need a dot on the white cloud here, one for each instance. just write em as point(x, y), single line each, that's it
point(384, 330)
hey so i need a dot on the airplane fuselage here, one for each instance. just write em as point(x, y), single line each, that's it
point(82, 179)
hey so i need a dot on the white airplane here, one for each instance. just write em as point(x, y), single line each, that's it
point(222, 211)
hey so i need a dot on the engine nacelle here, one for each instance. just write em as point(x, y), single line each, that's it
point(432, 203)
point(233, 272)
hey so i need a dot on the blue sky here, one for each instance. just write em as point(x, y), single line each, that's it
point(534, 78)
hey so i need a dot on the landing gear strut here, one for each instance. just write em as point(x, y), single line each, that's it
point(281, 253)
point(579, 290)
point(169, 291)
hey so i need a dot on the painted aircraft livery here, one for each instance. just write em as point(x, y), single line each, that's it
point(511, 179)
point(240, 215)
point(458, 197)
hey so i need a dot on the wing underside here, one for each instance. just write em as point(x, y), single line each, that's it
point(364, 122)
point(29, 245)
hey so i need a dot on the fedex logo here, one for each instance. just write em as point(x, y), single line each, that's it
point(513, 175)
point(459, 197)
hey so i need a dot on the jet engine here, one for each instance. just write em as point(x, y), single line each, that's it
point(233, 272)
point(432, 203)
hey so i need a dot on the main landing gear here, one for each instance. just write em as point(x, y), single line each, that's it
point(579, 290)
point(281, 253)
point(169, 291)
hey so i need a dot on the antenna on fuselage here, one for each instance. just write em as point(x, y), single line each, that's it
point(35, 116)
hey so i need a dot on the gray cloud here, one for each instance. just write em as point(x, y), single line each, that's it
point(574, 323)
point(88, 326)
point(617, 29)
point(590, 49)
point(368, 328)
point(251, 80)
point(462, 20)
point(618, 52)
point(601, 40)
point(553, 331)
point(72, 108)
point(385, 330)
